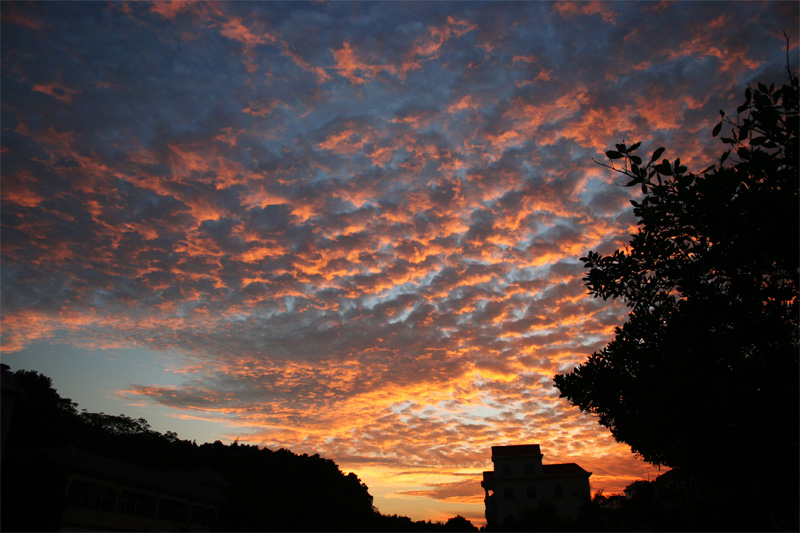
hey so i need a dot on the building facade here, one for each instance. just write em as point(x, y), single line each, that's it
point(82, 491)
point(520, 484)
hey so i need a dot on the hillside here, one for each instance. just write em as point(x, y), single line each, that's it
point(48, 443)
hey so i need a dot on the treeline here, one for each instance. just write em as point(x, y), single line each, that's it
point(263, 490)
point(675, 501)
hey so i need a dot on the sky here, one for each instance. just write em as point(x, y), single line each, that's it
point(347, 228)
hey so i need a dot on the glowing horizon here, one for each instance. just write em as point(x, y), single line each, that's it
point(350, 229)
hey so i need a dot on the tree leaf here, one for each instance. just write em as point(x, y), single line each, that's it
point(744, 131)
point(711, 167)
point(657, 154)
point(611, 154)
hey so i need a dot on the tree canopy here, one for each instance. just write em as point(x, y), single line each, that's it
point(704, 373)
point(264, 490)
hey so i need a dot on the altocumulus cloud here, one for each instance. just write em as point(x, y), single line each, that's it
point(359, 224)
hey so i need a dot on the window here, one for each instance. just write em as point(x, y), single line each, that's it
point(508, 493)
point(137, 504)
point(531, 491)
point(506, 470)
point(173, 511)
point(558, 491)
point(90, 495)
point(529, 471)
point(202, 515)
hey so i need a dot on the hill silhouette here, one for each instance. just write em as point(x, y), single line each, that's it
point(248, 488)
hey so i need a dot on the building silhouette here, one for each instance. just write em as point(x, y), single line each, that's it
point(70, 489)
point(520, 484)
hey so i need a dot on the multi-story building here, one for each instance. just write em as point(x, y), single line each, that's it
point(520, 483)
point(81, 491)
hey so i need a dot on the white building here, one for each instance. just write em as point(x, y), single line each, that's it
point(520, 482)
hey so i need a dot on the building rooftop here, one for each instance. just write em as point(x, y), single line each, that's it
point(563, 469)
point(517, 450)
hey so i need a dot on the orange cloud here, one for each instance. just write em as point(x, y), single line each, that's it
point(733, 58)
point(568, 9)
point(169, 9)
point(350, 65)
point(20, 189)
point(322, 75)
point(467, 102)
point(57, 90)
point(234, 28)
point(347, 142)
point(262, 110)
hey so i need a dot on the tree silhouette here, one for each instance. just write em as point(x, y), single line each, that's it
point(459, 523)
point(704, 373)
point(263, 490)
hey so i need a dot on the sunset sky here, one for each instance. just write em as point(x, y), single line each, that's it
point(351, 229)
